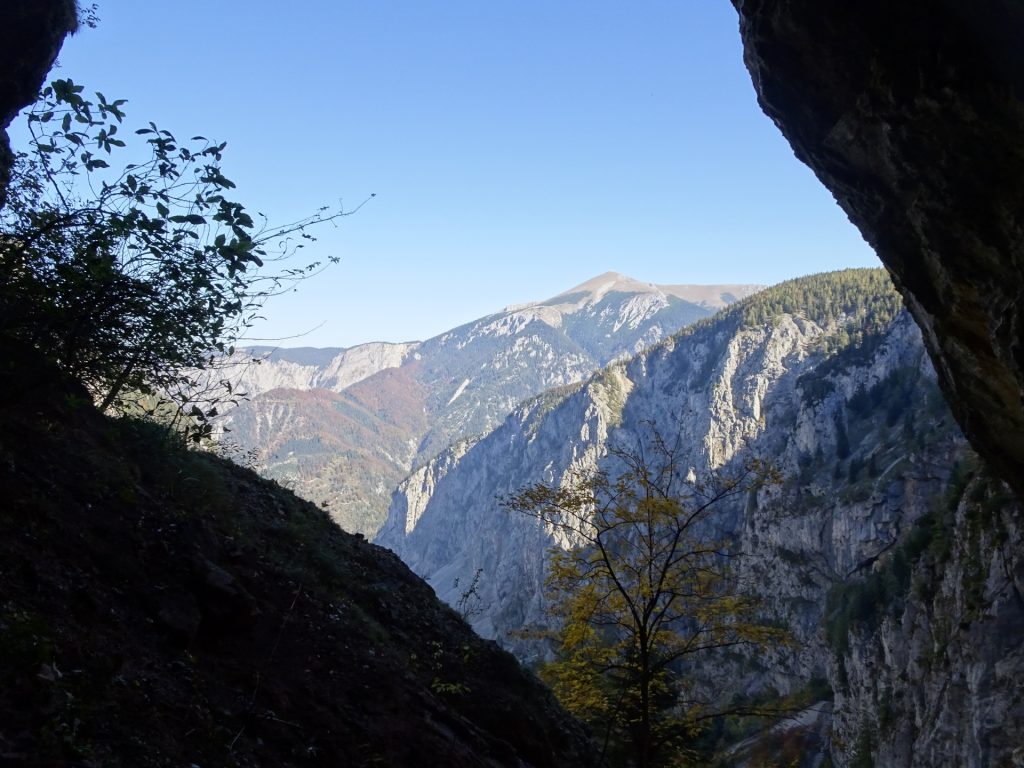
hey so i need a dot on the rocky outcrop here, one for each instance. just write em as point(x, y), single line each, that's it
point(911, 114)
point(929, 654)
point(849, 410)
point(727, 390)
point(30, 37)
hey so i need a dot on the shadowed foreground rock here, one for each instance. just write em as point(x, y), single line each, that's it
point(31, 34)
point(911, 113)
point(160, 606)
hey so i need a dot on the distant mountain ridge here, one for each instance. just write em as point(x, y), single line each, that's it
point(261, 369)
point(873, 550)
point(752, 377)
point(337, 368)
point(712, 297)
point(380, 409)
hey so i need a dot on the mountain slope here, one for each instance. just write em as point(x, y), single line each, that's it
point(827, 378)
point(163, 607)
point(740, 383)
point(260, 369)
point(460, 383)
point(345, 450)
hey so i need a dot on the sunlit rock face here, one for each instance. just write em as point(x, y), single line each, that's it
point(346, 425)
point(728, 390)
point(911, 113)
point(31, 34)
point(924, 670)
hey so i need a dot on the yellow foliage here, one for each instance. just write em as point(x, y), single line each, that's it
point(646, 593)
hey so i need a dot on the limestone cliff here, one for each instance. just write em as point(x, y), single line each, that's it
point(346, 425)
point(843, 401)
point(911, 114)
point(736, 386)
point(927, 646)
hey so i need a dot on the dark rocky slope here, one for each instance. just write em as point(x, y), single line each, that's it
point(927, 651)
point(912, 114)
point(160, 606)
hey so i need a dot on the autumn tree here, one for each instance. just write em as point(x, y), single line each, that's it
point(645, 589)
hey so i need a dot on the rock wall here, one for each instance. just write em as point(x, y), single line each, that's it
point(913, 615)
point(911, 114)
point(726, 391)
point(930, 675)
point(30, 37)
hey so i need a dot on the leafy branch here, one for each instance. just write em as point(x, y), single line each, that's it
point(137, 279)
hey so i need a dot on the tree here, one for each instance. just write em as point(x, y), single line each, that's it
point(645, 588)
point(134, 279)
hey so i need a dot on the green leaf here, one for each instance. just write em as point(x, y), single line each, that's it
point(191, 218)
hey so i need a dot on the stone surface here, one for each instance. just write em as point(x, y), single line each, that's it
point(30, 37)
point(937, 681)
point(912, 115)
point(724, 390)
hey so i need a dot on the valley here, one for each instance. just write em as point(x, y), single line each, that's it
point(631, 525)
point(344, 427)
point(825, 377)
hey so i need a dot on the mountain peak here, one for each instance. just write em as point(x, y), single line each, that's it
point(708, 296)
point(610, 281)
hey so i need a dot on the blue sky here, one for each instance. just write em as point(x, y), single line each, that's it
point(515, 148)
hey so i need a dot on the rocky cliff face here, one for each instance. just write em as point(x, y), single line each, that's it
point(927, 652)
point(256, 370)
point(31, 35)
point(844, 402)
point(728, 390)
point(911, 114)
point(345, 426)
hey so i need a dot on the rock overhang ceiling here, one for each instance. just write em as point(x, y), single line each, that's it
point(912, 114)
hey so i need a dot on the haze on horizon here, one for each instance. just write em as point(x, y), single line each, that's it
point(515, 150)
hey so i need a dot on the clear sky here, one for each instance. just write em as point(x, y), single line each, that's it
point(515, 148)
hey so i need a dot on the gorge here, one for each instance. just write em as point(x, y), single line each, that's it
point(146, 593)
point(868, 551)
